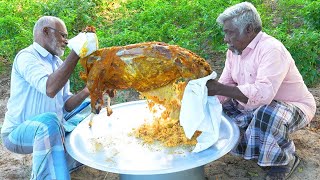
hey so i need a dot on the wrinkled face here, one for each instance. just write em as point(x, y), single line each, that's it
point(235, 40)
point(57, 39)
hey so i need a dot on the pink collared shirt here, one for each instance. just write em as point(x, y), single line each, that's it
point(265, 71)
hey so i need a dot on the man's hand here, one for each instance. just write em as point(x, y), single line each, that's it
point(216, 88)
point(76, 99)
point(213, 87)
point(84, 43)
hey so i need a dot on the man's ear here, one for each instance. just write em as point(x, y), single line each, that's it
point(45, 31)
point(249, 29)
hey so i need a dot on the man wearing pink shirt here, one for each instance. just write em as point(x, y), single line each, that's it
point(262, 90)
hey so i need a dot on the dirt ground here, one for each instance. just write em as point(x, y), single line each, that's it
point(307, 140)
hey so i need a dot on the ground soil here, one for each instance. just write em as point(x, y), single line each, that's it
point(307, 141)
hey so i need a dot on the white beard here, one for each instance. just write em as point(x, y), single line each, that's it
point(58, 50)
point(236, 52)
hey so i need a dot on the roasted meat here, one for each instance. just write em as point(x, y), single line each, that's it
point(160, 72)
point(143, 67)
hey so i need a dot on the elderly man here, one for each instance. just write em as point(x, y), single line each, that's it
point(262, 90)
point(40, 97)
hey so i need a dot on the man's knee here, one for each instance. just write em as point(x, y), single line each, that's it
point(48, 121)
point(46, 117)
point(262, 118)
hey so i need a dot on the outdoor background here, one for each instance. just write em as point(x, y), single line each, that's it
point(190, 24)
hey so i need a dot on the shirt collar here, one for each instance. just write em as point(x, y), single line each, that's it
point(42, 51)
point(255, 40)
point(252, 44)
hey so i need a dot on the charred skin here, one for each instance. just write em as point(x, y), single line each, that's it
point(143, 67)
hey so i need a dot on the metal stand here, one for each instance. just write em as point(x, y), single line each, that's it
point(190, 174)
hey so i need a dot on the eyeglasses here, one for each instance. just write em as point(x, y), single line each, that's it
point(64, 35)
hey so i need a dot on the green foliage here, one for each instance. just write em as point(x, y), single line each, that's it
point(296, 24)
point(305, 48)
point(14, 32)
point(311, 12)
point(185, 23)
point(75, 13)
point(76, 83)
point(189, 24)
point(13, 38)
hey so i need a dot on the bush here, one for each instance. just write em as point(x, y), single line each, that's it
point(189, 24)
point(311, 13)
point(185, 23)
point(295, 23)
point(305, 48)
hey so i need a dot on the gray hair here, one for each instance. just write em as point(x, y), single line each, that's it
point(42, 22)
point(241, 15)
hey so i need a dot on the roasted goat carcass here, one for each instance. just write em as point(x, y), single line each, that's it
point(143, 67)
point(157, 70)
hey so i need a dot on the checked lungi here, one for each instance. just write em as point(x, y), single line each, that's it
point(43, 136)
point(264, 132)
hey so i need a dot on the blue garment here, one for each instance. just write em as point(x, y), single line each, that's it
point(77, 115)
point(30, 71)
point(43, 135)
point(34, 122)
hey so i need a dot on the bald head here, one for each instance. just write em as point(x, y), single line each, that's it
point(51, 33)
point(45, 21)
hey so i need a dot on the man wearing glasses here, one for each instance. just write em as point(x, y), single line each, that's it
point(40, 98)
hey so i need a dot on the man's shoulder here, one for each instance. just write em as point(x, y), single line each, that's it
point(26, 51)
point(266, 38)
point(30, 48)
point(27, 57)
point(268, 42)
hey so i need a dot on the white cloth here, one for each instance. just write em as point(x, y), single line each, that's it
point(84, 44)
point(201, 112)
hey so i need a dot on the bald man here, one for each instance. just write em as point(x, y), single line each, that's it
point(40, 97)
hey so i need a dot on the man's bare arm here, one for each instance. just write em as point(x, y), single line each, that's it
point(59, 78)
point(76, 99)
point(216, 88)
